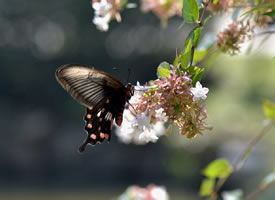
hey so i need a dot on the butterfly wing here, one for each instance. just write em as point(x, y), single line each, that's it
point(102, 94)
point(87, 85)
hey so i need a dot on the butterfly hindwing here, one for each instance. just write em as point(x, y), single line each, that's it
point(98, 126)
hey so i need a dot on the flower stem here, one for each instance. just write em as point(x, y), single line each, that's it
point(199, 24)
point(243, 157)
point(259, 190)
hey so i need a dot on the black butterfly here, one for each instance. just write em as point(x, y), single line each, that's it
point(103, 95)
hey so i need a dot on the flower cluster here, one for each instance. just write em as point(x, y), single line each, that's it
point(260, 16)
point(179, 102)
point(232, 37)
point(140, 127)
point(223, 5)
point(171, 99)
point(164, 9)
point(105, 11)
point(151, 192)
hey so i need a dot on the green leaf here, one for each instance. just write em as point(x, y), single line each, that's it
point(196, 38)
point(219, 168)
point(197, 77)
point(206, 19)
point(192, 70)
point(269, 109)
point(268, 179)
point(207, 187)
point(199, 55)
point(163, 70)
point(256, 9)
point(196, 73)
point(190, 11)
point(185, 56)
point(270, 14)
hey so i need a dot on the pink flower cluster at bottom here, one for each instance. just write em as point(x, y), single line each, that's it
point(151, 192)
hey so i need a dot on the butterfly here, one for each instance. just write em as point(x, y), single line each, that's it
point(103, 96)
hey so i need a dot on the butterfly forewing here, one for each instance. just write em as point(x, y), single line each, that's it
point(103, 95)
point(87, 85)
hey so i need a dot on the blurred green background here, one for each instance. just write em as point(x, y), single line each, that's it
point(41, 126)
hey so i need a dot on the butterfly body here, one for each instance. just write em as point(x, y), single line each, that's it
point(103, 95)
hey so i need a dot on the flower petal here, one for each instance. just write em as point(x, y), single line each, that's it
point(198, 85)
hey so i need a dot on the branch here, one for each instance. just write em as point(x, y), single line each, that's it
point(243, 156)
point(259, 190)
point(264, 33)
point(199, 24)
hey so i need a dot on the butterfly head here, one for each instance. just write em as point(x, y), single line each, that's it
point(130, 91)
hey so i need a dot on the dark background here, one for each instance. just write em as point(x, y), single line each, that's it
point(41, 126)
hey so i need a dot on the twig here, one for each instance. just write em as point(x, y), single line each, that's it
point(259, 190)
point(203, 13)
point(242, 157)
point(199, 24)
point(264, 33)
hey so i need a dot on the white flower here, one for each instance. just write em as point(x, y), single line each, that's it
point(199, 92)
point(102, 23)
point(159, 128)
point(126, 131)
point(147, 136)
point(101, 8)
point(138, 129)
point(142, 121)
point(232, 195)
point(138, 87)
point(159, 193)
point(139, 90)
point(160, 114)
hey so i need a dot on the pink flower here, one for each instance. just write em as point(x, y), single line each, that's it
point(164, 9)
point(173, 96)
